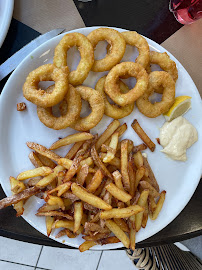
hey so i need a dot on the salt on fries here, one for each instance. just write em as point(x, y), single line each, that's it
point(89, 191)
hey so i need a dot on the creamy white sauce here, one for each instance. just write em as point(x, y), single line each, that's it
point(176, 136)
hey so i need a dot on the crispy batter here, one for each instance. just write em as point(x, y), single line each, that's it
point(72, 112)
point(47, 72)
point(168, 65)
point(21, 106)
point(156, 80)
point(97, 106)
point(126, 70)
point(117, 48)
point(85, 48)
point(112, 110)
point(132, 38)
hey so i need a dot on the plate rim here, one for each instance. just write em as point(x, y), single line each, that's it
point(9, 6)
point(115, 246)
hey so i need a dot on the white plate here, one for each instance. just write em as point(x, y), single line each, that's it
point(179, 179)
point(6, 11)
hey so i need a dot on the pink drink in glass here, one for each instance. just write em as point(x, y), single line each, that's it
point(186, 11)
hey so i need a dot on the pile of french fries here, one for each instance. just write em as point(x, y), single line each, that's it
point(103, 185)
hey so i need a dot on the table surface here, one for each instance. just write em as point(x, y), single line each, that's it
point(151, 19)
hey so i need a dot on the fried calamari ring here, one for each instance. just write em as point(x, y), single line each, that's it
point(85, 47)
point(96, 103)
point(132, 38)
point(116, 51)
point(73, 109)
point(111, 110)
point(165, 63)
point(126, 70)
point(47, 72)
point(157, 79)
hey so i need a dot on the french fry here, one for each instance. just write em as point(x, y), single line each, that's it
point(73, 169)
point(99, 163)
point(74, 149)
point(95, 218)
point(159, 205)
point(151, 174)
point(82, 173)
point(66, 163)
point(49, 224)
point(95, 237)
point(113, 145)
point(47, 208)
point(95, 182)
point(108, 240)
point(77, 137)
point(100, 188)
point(23, 195)
point(132, 236)
point(88, 161)
point(16, 187)
point(143, 136)
point(115, 161)
point(107, 133)
point(132, 176)
point(78, 214)
point(61, 233)
point(118, 232)
point(46, 161)
point(118, 193)
point(86, 245)
point(121, 129)
point(145, 216)
point(94, 227)
point(91, 199)
point(54, 214)
point(52, 200)
point(68, 224)
point(35, 160)
point(48, 179)
point(152, 204)
point(43, 151)
point(41, 171)
point(117, 179)
point(107, 197)
point(121, 213)
point(139, 147)
point(141, 202)
point(152, 190)
point(139, 175)
point(138, 159)
point(70, 234)
point(61, 189)
point(124, 165)
point(122, 224)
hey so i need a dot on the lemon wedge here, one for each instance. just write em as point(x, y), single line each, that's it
point(181, 105)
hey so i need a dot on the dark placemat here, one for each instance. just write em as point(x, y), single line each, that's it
point(149, 18)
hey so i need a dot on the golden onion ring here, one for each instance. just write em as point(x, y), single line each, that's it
point(165, 63)
point(114, 54)
point(46, 72)
point(96, 103)
point(73, 109)
point(132, 38)
point(157, 79)
point(126, 70)
point(113, 110)
point(85, 47)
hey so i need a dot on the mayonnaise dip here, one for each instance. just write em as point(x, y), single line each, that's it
point(176, 136)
